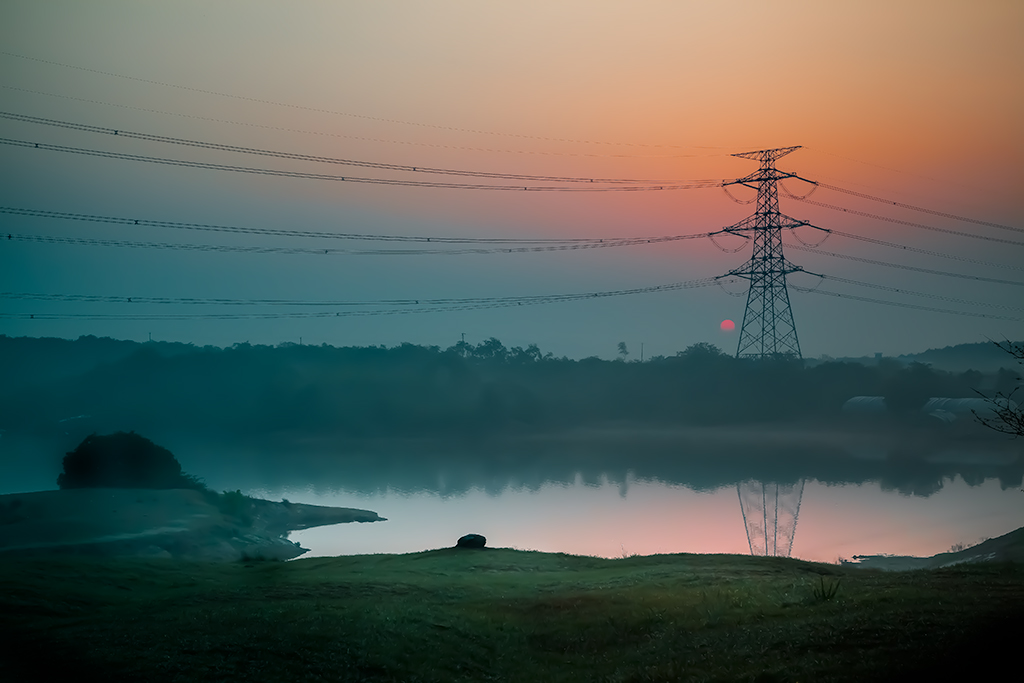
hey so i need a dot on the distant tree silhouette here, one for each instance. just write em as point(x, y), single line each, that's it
point(123, 461)
point(531, 354)
point(907, 391)
point(1007, 417)
point(254, 391)
point(702, 350)
point(492, 349)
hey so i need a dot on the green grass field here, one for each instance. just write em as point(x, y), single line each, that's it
point(504, 615)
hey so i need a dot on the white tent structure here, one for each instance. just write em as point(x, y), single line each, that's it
point(946, 409)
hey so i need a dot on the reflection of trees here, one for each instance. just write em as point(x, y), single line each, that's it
point(698, 463)
point(910, 473)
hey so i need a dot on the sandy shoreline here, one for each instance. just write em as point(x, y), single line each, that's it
point(176, 523)
point(1006, 548)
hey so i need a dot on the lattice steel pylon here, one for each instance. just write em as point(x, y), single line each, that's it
point(768, 328)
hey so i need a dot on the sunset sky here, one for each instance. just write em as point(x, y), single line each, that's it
point(918, 103)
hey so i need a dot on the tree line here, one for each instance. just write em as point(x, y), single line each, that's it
point(412, 390)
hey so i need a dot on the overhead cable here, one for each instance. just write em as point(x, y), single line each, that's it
point(399, 306)
point(320, 159)
point(958, 233)
point(278, 232)
point(903, 247)
point(930, 309)
point(449, 301)
point(347, 114)
point(582, 187)
point(933, 212)
point(366, 138)
point(928, 295)
point(538, 244)
point(929, 271)
point(875, 165)
point(331, 251)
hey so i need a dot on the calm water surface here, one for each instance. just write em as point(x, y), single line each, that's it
point(645, 517)
point(611, 497)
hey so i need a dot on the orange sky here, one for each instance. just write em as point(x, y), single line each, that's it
point(920, 102)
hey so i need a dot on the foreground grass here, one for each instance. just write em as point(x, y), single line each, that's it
point(503, 615)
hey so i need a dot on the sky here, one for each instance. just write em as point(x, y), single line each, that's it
point(915, 103)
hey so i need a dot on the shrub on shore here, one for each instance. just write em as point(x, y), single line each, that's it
point(123, 460)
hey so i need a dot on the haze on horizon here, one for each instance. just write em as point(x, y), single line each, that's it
point(918, 103)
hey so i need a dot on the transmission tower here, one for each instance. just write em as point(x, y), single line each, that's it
point(770, 513)
point(768, 328)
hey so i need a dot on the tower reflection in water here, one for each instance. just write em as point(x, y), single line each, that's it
point(770, 513)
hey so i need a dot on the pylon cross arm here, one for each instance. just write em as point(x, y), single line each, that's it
point(771, 154)
point(745, 182)
point(749, 273)
point(754, 180)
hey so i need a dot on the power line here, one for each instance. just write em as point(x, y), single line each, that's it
point(401, 306)
point(580, 242)
point(887, 264)
point(933, 212)
point(542, 244)
point(897, 221)
point(518, 300)
point(240, 316)
point(584, 187)
point(319, 159)
point(940, 297)
point(270, 250)
point(278, 232)
point(138, 300)
point(449, 301)
point(871, 163)
point(364, 138)
point(916, 250)
point(347, 114)
point(436, 305)
point(329, 251)
point(903, 305)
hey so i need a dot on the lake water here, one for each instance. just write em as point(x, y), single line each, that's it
point(616, 495)
point(646, 517)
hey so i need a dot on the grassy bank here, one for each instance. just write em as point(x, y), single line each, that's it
point(503, 615)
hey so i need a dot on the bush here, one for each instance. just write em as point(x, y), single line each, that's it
point(235, 504)
point(123, 461)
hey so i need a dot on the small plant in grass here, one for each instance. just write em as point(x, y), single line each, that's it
point(825, 591)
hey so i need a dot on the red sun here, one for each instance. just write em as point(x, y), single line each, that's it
point(728, 326)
